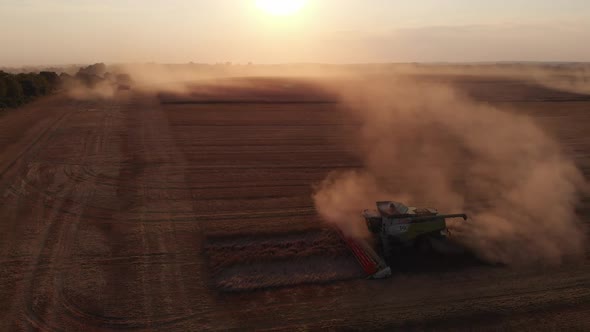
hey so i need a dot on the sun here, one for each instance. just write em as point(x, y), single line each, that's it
point(281, 7)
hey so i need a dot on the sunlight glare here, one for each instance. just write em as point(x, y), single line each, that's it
point(280, 7)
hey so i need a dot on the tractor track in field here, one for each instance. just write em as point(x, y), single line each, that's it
point(63, 231)
point(33, 144)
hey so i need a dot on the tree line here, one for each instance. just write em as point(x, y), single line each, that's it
point(17, 89)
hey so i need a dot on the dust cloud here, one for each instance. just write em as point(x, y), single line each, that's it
point(100, 81)
point(427, 145)
point(576, 80)
point(79, 91)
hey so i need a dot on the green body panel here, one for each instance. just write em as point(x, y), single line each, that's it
point(409, 232)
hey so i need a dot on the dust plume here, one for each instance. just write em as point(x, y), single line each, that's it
point(107, 81)
point(426, 145)
point(196, 81)
point(575, 78)
point(80, 91)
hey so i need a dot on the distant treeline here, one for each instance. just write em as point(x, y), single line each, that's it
point(17, 89)
point(21, 88)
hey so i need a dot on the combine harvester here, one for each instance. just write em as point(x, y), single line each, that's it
point(398, 227)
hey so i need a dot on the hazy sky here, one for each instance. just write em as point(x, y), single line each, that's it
point(336, 31)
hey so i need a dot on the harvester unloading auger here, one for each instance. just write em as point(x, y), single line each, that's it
point(398, 227)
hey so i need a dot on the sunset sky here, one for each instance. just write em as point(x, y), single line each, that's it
point(47, 32)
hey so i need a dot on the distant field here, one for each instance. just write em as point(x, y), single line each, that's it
point(195, 212)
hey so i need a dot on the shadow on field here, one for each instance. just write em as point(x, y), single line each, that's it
point(414, 262)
